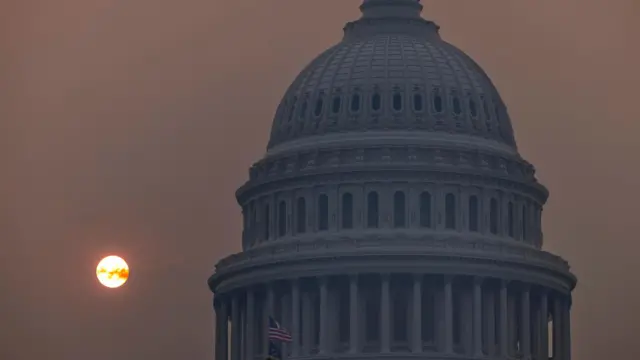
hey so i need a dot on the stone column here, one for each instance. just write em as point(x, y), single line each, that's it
point(566, 327)
point(466, 320)
point(448, 314)
point(285, 321)
point(543, 351)
point(224, 331)
point(235, 327)
point(477, 316)
point(535, 326)
point(416, 330)
point(251, 323)
point(333, 334)
point(307, 328)
point(490, 321)
point(525, 323)
point(512, 321)
point(268, 312)
point(504, 323)
point(218, 326)
point(439, 317)
point(558, 350)
point(362, 318)
point(385, 324)
point(295, 317)
point(353, 315)
point(324, 313)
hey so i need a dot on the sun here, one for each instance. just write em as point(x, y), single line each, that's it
point(112, 271)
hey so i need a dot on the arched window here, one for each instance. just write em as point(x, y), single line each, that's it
point(372, 210)
point(510, 218)
point(303, 109)
point(538, 223)
point(473, 213)
point(282, 218)
point(376, 102)
point(301, 213)
point(336, 104)
point(472, 108)
point(254, 223)
point(397, 102)
point(487, 116)
point(493, 216)
point(355, 102)
point(538, 219)
point(417, 102)
point(425, 209)
point(323, 212)
point(245, 218)
point(525, 218)
point(437, 102)
point(487, 112)
point(265, 225)
point(399, 215)
point(457, 108)
point(319, 105)
point(450, 211)
point(347, 211)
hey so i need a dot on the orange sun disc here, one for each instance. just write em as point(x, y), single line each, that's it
point(112, 271)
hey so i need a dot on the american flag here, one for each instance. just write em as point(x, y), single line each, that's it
point(277, 332)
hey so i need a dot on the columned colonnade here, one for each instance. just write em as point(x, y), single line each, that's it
point(395, 313)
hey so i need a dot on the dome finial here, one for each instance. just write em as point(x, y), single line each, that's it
point(391, 8)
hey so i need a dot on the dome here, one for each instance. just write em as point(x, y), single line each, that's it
point(396, 113)
point(392, 72)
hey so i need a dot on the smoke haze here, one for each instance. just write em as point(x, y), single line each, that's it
point(126, 127)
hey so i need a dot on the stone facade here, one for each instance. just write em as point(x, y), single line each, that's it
point(392, 214)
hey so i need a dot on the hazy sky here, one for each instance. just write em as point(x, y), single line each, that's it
point(127, 125)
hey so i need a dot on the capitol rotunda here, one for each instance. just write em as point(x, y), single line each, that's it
point(392, 215)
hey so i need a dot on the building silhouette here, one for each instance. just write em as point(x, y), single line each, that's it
point(392, 215)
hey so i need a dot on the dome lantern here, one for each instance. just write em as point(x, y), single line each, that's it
point(391, 8)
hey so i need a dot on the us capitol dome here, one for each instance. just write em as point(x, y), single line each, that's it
point(392, 215)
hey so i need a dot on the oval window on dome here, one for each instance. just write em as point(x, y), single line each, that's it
point(336, 104)
point(472, 108)
point(303, 109)
point(487, 113)
point(457, 108)
point(437, 102)
point(417, 102)
point(319, 104)
point(376, 102)
point(355, 102)
point(397, 102)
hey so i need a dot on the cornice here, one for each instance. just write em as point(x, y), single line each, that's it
point(378, 250)
point(408, 264)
